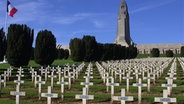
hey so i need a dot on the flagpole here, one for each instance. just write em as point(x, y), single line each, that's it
point(6, 18)
point(5, 27)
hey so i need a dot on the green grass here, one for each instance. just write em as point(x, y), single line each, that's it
point(98, 89)
point(34, 64)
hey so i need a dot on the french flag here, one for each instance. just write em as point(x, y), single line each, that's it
point(11, 9)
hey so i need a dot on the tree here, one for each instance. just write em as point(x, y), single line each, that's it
point(2, 44)
point(77, 49)
point(90, 47)
point(66, 54)
point(182, 51)
point(107, 52)
point(19, 44)
point(60, 53)
point(155, 52)
point(169, 53)
point(45, 48)
point(131, 52)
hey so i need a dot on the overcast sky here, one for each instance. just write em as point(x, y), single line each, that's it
point(151, 21)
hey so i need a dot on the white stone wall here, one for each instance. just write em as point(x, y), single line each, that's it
point(146, 48)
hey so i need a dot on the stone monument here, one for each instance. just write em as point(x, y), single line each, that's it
point(123, 33)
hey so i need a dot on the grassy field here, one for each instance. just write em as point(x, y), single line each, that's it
point(98, 89)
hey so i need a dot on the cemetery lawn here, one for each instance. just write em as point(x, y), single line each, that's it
point(98, 89)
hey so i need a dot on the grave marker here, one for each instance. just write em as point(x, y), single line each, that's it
point(4, 75)
point(0, 84)
point(165, 99)
point(19, 81)
point(62, 83)
point(123, 98)
point(69, 80)
point(40, 82)
point(148, 81)
point(35, 76)
point(84, 96)
point(112, 84)
point(49, 95)
point(127, 81)
point(52, 76)
point(17, 93)
point(139, 85)
point(107, 77)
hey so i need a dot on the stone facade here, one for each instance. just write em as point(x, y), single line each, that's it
point(123, 32)
point(123, 35)
point(146, 48)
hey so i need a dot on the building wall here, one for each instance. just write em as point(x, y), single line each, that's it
point(146, 48)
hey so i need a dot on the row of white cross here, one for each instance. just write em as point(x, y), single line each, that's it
point(20, 72)
point(105, 77)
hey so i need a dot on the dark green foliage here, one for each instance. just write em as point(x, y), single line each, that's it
point(88, 49)
point(100, 51)
point(169, 53)
point(2, 44)
point(91, 48)
point(155, 52)
point(77, 49)
point(32, 53)
point(60, 53)
point(19, 45)
point(107, 52)
point(131, 52)
point(66, 54)
point(45, 49)
point(182, 51)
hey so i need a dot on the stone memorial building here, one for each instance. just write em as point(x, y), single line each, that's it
point(123, 35)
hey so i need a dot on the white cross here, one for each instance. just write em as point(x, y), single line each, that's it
point(32, 74)
point(139, 85)
point(86, 84)
point(127, 80)
point(107, 77)
point(123, 98)
point(169, 87)
point(4, 75)
point(41, 70)
point(112, 84)
point(165, 99)
point(35, 76)
point(120, 73)
point(19, 81)
point(0, 84)
point(49, 95)
point(84, 96)
point(40, 82)
point(136, 73)
point(10, 71)
point(69, 80)
point(52, 76)
point(62, 83)
point(148, 81)
point(17, 93)
point(59, 72)
point(46, 73)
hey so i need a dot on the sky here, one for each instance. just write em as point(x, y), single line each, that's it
point(151, 21)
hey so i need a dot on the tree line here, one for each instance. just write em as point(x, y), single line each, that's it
point(87, 49)
point(155, 52)
point(18, 46)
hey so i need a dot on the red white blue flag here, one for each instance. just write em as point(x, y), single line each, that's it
point(11, 9)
